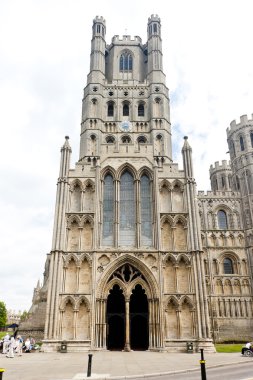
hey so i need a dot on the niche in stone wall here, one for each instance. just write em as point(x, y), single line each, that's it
point(82, 322)
point(85, 277)
point(245, 287)
point(180, 237)
point(167, 236)
point(218, 287)
point(186, 320)
point(87, 236)
point(88, 198)
point(71, 277)
point(76, 199)
point(169, 276)
point(165, 199)
point(177, 199)
point(68, 322)
point(172, 320)
point(183, 276)
point(73, 236)
point(236, 287)
point(227, 287)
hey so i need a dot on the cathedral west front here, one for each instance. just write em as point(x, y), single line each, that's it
point(140, 260)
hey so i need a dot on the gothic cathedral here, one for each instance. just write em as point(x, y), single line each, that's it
point(139, 260)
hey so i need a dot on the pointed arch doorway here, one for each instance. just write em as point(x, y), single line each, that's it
point(127, 314)
point(138, 319)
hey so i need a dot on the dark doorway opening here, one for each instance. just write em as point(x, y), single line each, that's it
point(115, 319)
point(139, 319)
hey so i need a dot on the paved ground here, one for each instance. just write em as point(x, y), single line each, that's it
point(68, 366)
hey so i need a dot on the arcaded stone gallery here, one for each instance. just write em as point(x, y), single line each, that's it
point(140, 260)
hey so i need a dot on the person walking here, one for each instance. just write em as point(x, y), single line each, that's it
point(6, 343)
point(12, 345)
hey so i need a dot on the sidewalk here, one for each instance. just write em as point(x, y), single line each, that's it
point(68, 366)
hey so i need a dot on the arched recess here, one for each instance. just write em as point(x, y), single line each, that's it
point(67, 319)
point(87, 234)
point(187, 323)
point(70, 277)
point(183, 274)
point(85, 278)
point(172, 326)
point(82, 327)
point(88, 196)
point(167, 233)
point(169, 274)
point(129, 274)
point(177, 196)
point(165, 196)
point(76, 196)
point(180, 234)
point(73, 234)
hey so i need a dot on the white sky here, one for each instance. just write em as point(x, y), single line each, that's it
point(44, 61)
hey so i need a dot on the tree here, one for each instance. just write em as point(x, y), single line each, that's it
point(3, 314)
point(24, 316)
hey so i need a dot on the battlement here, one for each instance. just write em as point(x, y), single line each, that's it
point(154, 18)
point(218, 194)
point(244, 120)
point(117, 40)
point(225, 165)
point(99, 19)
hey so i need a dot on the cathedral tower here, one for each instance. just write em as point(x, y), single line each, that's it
point(126, 268)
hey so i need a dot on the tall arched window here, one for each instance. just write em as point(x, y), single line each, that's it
point(222, 220)
point(141, 110)
point(108, 211)
point(146, 212)
point(241, 143)
point(110, 109)
point(125, 109)
point(251, 139)
point(126, 62)
point(127, 210)
point(228, 266)
point(232, 148)
point(237, 183)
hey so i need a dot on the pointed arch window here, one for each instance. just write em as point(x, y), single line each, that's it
point(146, 211)
point(232, 148)
point(228, 266)
point(222, 220)
point(141, 109)
point(126, 62)
point(251, 139)
point(108, 211)
point(125, 109)
point(127, 210)
point(110, 109)
point(241, 143)
point(237, 183)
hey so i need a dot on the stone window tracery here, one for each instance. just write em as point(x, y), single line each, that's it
point(126, 62)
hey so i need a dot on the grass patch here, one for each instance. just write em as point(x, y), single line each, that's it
point(223, 347)
point(2, 334)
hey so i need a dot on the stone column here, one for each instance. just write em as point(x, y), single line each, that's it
point(127, 342)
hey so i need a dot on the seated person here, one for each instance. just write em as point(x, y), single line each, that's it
point(248, 346)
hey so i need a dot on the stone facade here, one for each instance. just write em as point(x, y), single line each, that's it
point(139, 260)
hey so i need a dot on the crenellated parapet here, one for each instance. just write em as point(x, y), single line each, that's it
point(244, 122)
point(220, 176)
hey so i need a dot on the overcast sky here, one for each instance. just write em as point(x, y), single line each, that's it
point(44, 61)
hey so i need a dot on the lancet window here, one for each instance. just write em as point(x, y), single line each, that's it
point(121, 211)
point(126, 62)
point(222, 220)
